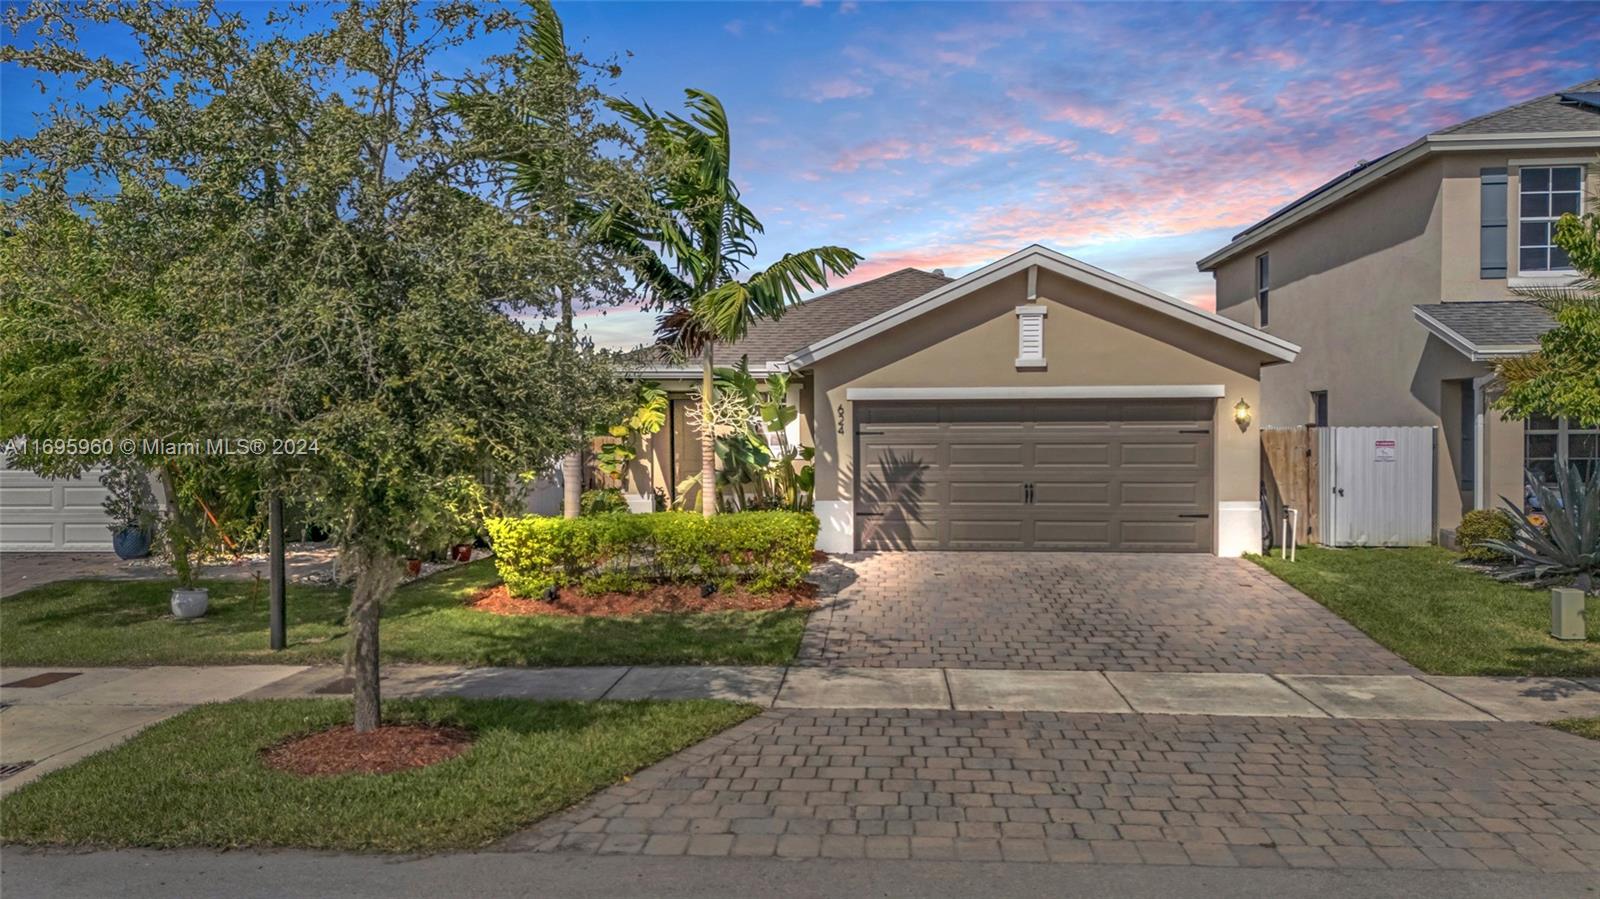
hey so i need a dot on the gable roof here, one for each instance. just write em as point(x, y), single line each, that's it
point(1061, 264)
point(768, 341)
point(1483, 330)
point(1560, 119)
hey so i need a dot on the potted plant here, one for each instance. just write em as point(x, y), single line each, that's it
point(189, 600)
point(130, 505)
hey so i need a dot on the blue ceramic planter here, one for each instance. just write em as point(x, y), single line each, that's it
point(131, 543)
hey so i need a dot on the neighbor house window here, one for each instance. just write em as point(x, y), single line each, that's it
point(1551, 443)
point(1319, 408)
point(1262, 283)
point(1469, 435)
point(1545, 194)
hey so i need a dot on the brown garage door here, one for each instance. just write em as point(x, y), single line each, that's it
point(1122, 475)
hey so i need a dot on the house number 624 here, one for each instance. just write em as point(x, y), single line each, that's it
point(841, 418)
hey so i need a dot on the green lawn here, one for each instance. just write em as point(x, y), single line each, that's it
point(1583, 727)
point(1440, 617)
point(129, 623)
point(197, 779)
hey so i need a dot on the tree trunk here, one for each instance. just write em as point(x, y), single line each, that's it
point(708, 439)
point(377, 575)
point(571, 483)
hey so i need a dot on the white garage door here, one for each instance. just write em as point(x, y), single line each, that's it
point(52, 514)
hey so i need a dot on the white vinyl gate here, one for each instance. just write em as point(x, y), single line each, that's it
point(1376, 485)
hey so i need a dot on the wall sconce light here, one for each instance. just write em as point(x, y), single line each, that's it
point(1241, 414)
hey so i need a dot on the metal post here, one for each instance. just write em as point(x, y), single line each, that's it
point(275, 569)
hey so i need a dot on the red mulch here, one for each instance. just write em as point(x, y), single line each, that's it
point(391, 748)
point(661, 598)
point(818, 557)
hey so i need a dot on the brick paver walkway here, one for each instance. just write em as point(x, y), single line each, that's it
point(1082, 611)
point(1110, 788)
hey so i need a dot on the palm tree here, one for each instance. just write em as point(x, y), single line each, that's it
point(693, 245)
point(544, 134)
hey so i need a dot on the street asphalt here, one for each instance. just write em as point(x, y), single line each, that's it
point(31, 874)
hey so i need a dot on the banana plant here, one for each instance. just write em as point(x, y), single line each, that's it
point(648, 416)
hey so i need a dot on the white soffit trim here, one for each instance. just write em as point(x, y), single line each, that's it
point(1473, 351)
point(1065, 266)
point(1399, 159)
point(1116, 392)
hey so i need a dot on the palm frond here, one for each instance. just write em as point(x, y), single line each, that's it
point(784, 282)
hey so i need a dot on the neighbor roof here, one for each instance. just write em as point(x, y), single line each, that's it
point(1061, 264)
point(1563, 118)
point(1484, 330)
point(769, 342)
point(1549, 113)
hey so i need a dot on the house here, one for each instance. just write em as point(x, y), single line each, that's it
point(1035, 403)
point(1397, 279)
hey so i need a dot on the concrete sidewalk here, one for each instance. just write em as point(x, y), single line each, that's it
point(1421, 697)
point(48, 721)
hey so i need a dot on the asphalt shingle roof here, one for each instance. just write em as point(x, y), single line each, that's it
point(1492, 323)
point(1541, 114)
point(828, 314)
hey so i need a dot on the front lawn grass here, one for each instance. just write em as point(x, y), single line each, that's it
point(129, 623)
point(197, 779)
point(1441, 617)
point(1583, 727)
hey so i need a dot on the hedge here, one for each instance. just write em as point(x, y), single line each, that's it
point(624, 552)
point(1480, 525)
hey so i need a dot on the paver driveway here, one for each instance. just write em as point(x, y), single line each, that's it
point(939, 784)
point(1082, 611)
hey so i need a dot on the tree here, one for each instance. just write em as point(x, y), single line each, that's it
point(561, 162)
point(692, 247)
point(278, 231)
point(1562, 378)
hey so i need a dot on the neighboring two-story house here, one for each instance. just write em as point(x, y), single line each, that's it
point(1397, 279)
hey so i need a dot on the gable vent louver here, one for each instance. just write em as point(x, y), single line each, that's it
point(1030, 336)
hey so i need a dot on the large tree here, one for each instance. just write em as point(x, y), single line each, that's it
point(1562, 378)
point(694, 244)
point(277, 229)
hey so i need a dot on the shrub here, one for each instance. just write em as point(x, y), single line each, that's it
point(765, 550)
point(1562, 540)
point(602, 501)
point(1480, 525)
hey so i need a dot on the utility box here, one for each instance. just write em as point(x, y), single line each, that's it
point(1376, 485)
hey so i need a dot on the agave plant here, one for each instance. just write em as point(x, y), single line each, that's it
point(1563, 538)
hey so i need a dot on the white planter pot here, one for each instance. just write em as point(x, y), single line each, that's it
point(641, 505)
point(190, 603)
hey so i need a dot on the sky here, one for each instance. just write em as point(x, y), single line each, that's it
point(1136, 137)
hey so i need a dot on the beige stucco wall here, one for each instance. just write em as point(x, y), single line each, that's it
point(1091, 338)
point(1343, 286)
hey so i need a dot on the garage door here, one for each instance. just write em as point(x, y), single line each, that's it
point(51, 514)
point(1115, 475)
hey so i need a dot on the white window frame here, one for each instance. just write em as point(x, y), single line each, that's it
point(1548, 166)
point(1263, 288)
point(1563, 431)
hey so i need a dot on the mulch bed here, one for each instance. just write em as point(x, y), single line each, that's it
point(663, 598)
point(391, 748)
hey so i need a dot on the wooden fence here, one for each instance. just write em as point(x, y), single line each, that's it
point(1289, 463)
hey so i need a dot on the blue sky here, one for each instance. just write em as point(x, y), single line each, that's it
point(1137, 137)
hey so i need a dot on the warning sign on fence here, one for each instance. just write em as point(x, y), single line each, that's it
point(1383, 450)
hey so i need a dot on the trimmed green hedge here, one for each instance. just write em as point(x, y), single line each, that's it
point(623, 552)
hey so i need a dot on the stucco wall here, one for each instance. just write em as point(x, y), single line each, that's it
point(1091, 338)
point(1343, 286)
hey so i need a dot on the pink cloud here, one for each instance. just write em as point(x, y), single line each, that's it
point(839, 88)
